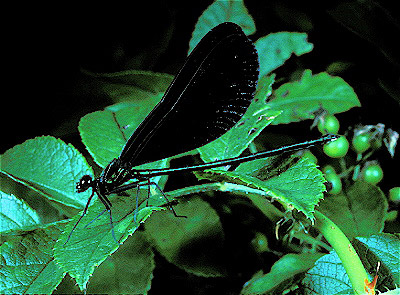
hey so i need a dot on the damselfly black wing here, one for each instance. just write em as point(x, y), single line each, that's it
point(207, 98)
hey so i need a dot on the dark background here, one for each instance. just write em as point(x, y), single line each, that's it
point(45, 94)
point(47, 47)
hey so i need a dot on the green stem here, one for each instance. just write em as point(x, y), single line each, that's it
point(342, 164)
point(257, 196)
point(338, 240)
point(345, 250)
point(357, 168)
point(215, 186)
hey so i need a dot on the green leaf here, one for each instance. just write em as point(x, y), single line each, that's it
point(27, 264)
point(237, 139)
point(48, 166)
point(15, 214)
point(392, 292)
point(359, 211)
point(282, 274)
point(218, 13)
point(93, 238)
point(127, 271)
point(128, 85)
point(92, 241)
point(298, 183)
point(385, 249)
point(300, 187)
point(105, 132)
point(275, 49)
point(329, 277)
point(301, 99)
point(195, 243)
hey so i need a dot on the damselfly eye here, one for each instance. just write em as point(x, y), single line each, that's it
point(84, 183)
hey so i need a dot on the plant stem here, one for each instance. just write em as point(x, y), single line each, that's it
point(345, 250)
point(357, 168)
point(258, 197)
point(215, 186)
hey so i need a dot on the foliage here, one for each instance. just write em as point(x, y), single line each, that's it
point(37, 253)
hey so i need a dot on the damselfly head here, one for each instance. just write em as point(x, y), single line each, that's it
point(84, 183)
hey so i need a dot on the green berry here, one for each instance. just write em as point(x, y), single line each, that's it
point(328, 124)
point(334, 179)
point(337, 148)
point(394, 194)
point(373, 174)
point(336, 184)
point(328, 169)
point(361, 143)
point(391, 215)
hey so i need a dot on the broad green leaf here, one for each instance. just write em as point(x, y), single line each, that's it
point(274, 49)
point(128, 85)
point(195, 243)
point(386, 250)
point(93, 237)
point(105, 132)
point(300, 187)
point(92, 240)
point(282, 274)
point(301, 99)
point(297, 183)
point(15, 214)
point(127, 271)
point(27, 264)
point(48, 166)
point(359, 211)
point(329, 277)
point(220, 12)
point(392, 292)
point(236, 140)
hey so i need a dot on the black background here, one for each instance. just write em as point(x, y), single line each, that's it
point(47, 47)
point(44, 92)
